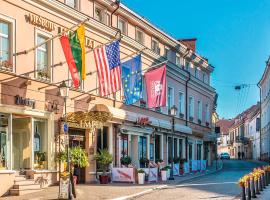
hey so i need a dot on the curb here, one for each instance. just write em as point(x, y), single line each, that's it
point(148, 191)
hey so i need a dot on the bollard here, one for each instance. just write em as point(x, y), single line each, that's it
point(264, 184)
point(256, 184)
point(260, 183)
point(267, 178)
point(248, 190)
point(243, 193)
point(253, 193)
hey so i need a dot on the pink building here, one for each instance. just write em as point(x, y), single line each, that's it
point(31, 108)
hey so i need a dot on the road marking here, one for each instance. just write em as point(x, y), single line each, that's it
point(202, 184)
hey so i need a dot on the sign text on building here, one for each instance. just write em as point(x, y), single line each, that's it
point(40, 22)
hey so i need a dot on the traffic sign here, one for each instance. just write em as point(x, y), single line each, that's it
point(65, 128)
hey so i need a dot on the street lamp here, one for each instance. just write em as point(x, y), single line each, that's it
point(64, 92)
point(173, 112)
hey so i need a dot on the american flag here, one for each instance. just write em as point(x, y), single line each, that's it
point(107, 60)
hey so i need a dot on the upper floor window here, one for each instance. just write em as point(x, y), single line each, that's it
point(191, 108)
point(73, 3)
point(196, 72)
point(101, 15)
point(187, 65)
point(177, 60)
point(155, 46)
point(166, 52)
point(199, 112)
point(207, 113)
point(181, 104)
point(43, 58)
point(5, 43)
point(139, 36)
point(170, 99)
point(122, 25)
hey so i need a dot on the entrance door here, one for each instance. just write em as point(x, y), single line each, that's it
point(21, 143)
point(77, 138)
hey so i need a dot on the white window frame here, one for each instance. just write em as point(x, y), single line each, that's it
point(50, 52)
point(191, 105)
point(183, 103)
point(77, 4)
point(136, 35)
point(125, 24)
point(157, 50)
point(12, 35)
point(104, 13)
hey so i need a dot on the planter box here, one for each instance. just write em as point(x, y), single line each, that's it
point(152, 174)
point(163, 175)
point(141, 178)
point(123, 175)
point(176, 169)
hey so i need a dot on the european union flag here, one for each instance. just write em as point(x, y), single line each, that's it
point(132, 79)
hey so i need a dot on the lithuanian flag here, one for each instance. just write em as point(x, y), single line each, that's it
point(74, 50)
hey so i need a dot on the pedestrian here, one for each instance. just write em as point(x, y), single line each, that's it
point(243, 155)
point(239, 155)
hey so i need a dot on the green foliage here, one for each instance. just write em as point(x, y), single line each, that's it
point(41, 157)
point(104, 159)
point(141, 171)
point(125, 160)
point(166, 168)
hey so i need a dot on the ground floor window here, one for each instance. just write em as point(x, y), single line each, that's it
point(142, 147)
point(3, 141)
point(157, 147)
point(199, 151)
point(190, 151)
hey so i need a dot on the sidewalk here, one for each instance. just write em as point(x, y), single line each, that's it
point(117, 191)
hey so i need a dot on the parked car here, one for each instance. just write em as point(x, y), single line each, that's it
point(225, 156)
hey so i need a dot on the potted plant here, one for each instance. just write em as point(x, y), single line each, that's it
point(125, 160)
point(144, 162)
point(104, 159)
point(199, 121)
point(164, 174)
point(41, 158)
point(141, 176)
point(168, 170)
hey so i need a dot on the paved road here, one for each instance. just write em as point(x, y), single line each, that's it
point(221, 186)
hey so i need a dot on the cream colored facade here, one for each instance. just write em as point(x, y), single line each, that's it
point(188, 74)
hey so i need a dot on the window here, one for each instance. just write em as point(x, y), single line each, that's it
point(139, 36)
point(73, 3)
point(199, 112)
point(5, 58)
point(181, 104)
point(102, 138)
point(166, 52)
point(196, 73)
point(180, 148)
point(190, 152)
point(187, 65)
point(122, 25)
point(157, 147)
point(4, 141)
point(155, 46)
point(199, 151)
point(142, 147)
point(42, 56)
point(207, 113)
point(191, 108)
point(124, 139)
point(175, 144)
point(177, 61)
point(101, 15)
point(170, 99)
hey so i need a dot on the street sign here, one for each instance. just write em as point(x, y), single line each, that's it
point(65, 128)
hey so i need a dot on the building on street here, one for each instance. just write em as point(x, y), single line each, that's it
point(32, 109)
point(224, 137)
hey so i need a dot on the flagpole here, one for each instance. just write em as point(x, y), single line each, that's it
point(49, 39)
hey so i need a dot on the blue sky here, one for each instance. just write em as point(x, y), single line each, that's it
point(233, 34)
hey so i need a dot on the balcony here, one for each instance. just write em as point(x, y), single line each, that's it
point(6, 66)
point(242, 139)
point(43, 75)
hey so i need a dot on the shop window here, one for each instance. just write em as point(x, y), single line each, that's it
point(157, 147)
point(180, 148)
point(139, 36)
point(199, 151)
point(40, 145)
point(170, 150)
point(122, 25)
point(142, 147)
point(102, 138)
point(43, 58)
point(5, 43)
point(124, 145)
point(175, 144)
point(190, 151)
point(3, 141)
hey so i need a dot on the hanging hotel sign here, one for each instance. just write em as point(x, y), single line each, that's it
point(24, 101)
point(39, 21)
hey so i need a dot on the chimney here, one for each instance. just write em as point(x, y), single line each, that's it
point(189, 43)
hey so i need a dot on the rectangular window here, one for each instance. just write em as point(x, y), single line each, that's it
point(102, 138)
point(196, 72)
point(122, 25)
point(181, 104)
point(155, 46)
point(142, 147)
point(157, 147)
point(199, 112)
point(72, 3)
point(166, 53)
point(4, 141)
point(175, 145)
point(170, 99)
point(5, 43)
point(42, 56)
point(180, 148)
point(191, 108)
point(199, 151)
point(100, 15)
point(177, 61)
point(124, 145)
point(139, 36)
point(207, 113)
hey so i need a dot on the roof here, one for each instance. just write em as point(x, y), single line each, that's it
point(224, 125)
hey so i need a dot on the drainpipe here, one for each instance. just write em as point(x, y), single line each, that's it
point(260, 120)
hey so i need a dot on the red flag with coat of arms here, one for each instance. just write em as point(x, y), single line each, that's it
point(156, 87)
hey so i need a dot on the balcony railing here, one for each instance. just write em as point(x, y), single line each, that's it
point(6, 65)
